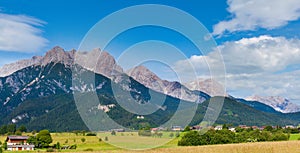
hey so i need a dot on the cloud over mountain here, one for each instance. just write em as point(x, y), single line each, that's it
point(261, 65)
point(254, 14)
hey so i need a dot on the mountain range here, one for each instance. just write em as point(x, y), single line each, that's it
point(40, 89)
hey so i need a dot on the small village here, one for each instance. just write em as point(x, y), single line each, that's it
point(21, 143)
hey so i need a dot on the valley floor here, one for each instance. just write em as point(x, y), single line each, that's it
point(258, 147)
point(93, 144)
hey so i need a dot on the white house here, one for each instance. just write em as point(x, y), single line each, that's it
point(15, 143)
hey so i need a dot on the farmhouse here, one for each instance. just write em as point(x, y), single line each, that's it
point(176, 128)
point(15, 143)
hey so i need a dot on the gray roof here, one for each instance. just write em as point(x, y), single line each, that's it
point(17, 137)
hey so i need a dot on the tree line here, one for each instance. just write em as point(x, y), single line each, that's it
point(12, 129)
point(225, 136)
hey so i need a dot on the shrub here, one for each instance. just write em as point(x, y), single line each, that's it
point(187, 128)
point(57, 145)
point(91, 134)
point(144, 133)
point(74, 146)
point(82, 139)
point(50, 150)
point(88, 149)
point(113, 132)
point(106, 138)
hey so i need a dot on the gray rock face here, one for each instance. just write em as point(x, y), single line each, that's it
point(97, 61)
point(209, 86)
point(58, 55)
point(278, 103)
point(8, 69)
point(174, 89)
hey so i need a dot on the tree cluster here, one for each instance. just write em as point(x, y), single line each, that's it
point(195, 138)
point(12, 129)
point(41, 140)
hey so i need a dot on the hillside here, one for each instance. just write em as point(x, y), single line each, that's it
point(42, 97)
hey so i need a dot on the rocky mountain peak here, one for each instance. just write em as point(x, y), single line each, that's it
point(58, 54)
point(209, 86)
point(152, 81)
point(143, 74)
point(280, 104)
point(96, 60)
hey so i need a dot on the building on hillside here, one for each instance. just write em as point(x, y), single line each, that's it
point(118, 130)
point(176, 128)
point(218, 127)
point(244, 126)
point(255, 127)
point(289, 126)
point(153, 130)
point(232, 129)
point(15, 143)
point(197, 127)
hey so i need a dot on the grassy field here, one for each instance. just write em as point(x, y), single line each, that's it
point(294, 136)
point(126, 140)
point(132, 140)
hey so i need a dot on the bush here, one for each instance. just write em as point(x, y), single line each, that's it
point(57, 145)
point(91, 134)
point(187, 128)
point(113, 132)
point(4, 146)
point(82, 139)
point(88, 149)
point(50, 150)
point(144, 133)
point(73, 146)
point(1, 150)
point(177, 134)
point(106, 138)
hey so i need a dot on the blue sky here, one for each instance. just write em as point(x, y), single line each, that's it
point(258, 39)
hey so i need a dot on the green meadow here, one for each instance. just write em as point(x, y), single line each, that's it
point(132, 140)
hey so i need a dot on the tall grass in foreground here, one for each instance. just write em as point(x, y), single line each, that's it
point(258, 147)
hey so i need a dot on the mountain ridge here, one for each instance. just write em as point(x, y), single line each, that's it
point(194, 91)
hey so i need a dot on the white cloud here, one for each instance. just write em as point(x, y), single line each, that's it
point(252, 66)
point(260, 54)
point(20, 33)
point(250, 15)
